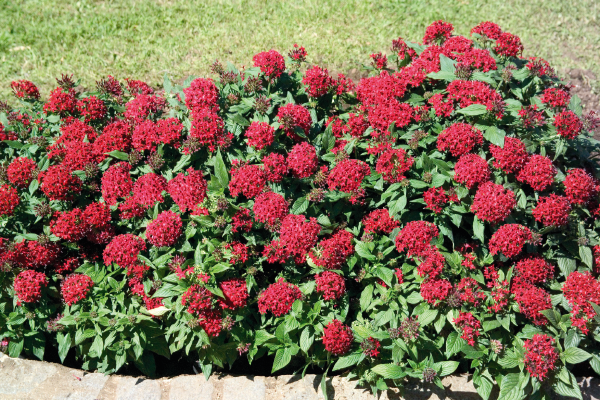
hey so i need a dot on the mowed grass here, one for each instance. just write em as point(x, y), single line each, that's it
point(144, 39)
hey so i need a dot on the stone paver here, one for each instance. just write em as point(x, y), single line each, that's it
point(191, 387)
point(244, 387)
point(138, 389)
point(87, 388)
point(22, 376)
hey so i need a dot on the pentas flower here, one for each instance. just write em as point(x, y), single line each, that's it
point(91, 108)
point(145, 136)
point(235, 294)
point(57, 183)
point(568, 124)
point(260, 135)
point(539, 67)
point(508, 45)
point(555, 97)
point(298, 236)
point(400, 47)
point(337, 338)
point(187, 191)
point(147, 190)
point(298, 54)
point(443, 108)
point(76, 288)
point(137, 87)
point(531, 117)
point(197, 299)
point(130, 208)
point(432, 262)
point(71, 132)
point(115, 136)
point(469, 326)
point(378, 60)
point(382, 115)
point(33, 254)
point(415, 238)
point(509, 240)
point(202, 94)
point(292, 116)
point(270, 208)
point(271, 63)
point(317, 81)
point(493, 203)
point(456, 45)
point(380, 222)
point(143, 106)
point(512, 157)
point(540, 356)
point(9, 200)
point(488, 29)
point(67, 266)
point(471, 170)
point(380, 89)
point(438, 32)
point(538, 172)
point(69, 225)
point(580, 187)
point(80, 156)
point(302, 160)
point(459, 139)
point(241, 221)
point(246, 179)
point(208, 129)
point(393, 164)
point(165, 229)
point(239, 252)
point(580, 289)
point(347, 176)
point(275, 167)
point(467, 93)
point(477, 59)
point(331, 285)
point(28, 286)
point(123, 250)
point(552, 210)
point(370, 347)
point(469, 292)
point(534, 269)
point(169, 131)
point(61, 102)
point(20, 172)
point(25, 90)
point(531, 300)
point(332, 252)
point(278, 298)
point(434, 199)
point(343, 85)
point(116, 182)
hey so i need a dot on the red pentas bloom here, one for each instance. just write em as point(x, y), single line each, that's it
point(145, 136)
point(115, 136)
point(239, 252)
point(143, 106)
point(531, 117)
point(382, 115)
point(470, 170)
point(241, 221)
point(32, 254)
point(208, 129)
point(123, 250)
point(69, 225)
point(538, 172)
point(509, 240)
point(260, 135)
point(568, 124)
point(331, 285)
point(337, 338)
point(147, 190)
point(72, 132)
point(165, 229)
point(20, 171)
point(555, 97)
point(332, 252)
point(534, 269)
point(302, 160)
point(278, 298)
point(380, 89)
point(91, 108)
point(61, 101)
point(552, 210)
point(459, 139)
point(75, 288)
point(298, 53)
point(317, 81)
point(9, 200)
point(477, 59)
point(79, 155)
point(393, 164)
point(493, 203)
point(24, 89)
point(298, 236)
point(531, 300)
point(435, 198)
point(443, 108)
point(380, 222)
point(292, 116)
point(57, 183)
point(67, 266)
point(347, 176)
point(432, 262)
point(246, 179)
point(580, 187)
point(540, 67)
point(116, 182)
point(415, 237)
point(197, 299)
point(169, 131)
point(580, 289)
point(202, 94)
point(508, 45)
point(271, 63)
point(467, 93)
point(370, 347)
point(235, 292)
point(540, 356)
point(378, 60)
point(510, 158)
point(457, 45)
point(28, 286)
point(438, 32)
point(270, 208)
point(187, 191)
point(137, 87)
point(275, 167)
point(469, 325)
point(469, 291)
point(400, 47)
point(489, 29)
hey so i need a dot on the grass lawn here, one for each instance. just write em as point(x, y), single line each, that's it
point(40, 39)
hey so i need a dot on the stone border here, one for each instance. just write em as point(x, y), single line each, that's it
point(22, 379)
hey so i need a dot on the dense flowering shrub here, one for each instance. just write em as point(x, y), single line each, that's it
point(442, 213)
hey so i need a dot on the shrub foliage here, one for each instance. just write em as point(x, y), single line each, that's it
point(442, 212)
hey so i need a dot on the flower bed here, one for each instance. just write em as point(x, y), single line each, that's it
point(440, 213)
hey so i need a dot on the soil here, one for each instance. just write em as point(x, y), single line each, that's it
point(580, 79)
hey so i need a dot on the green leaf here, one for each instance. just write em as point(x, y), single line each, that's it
point(566, 265)
point(446, 367)
point(511, 387)
point(575, 105)
point(306, 339)
point(453, 344)
point(220, 170)
point(366, 297)
point(478, 229)
point(64, 344)
point(586, 256)
point(282, 358)
point(447, 64)
point(389, 371)
point(15, 347)
point(575, 355)
point(167, 85)
point(118, 155)
point(300, 205)
point(495, 135)
point(442, 76)
point(473, 109)
point(362, 250)
point(485, 386)
point(427, 317)
point(33, 186)
point(568, 389)
point(348, 361)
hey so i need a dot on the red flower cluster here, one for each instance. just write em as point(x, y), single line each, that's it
point(187, 191)
point(580, 289)
point(415, 238)
point(241, 221)
point(239, 252)
point(469, 325)
point(208, 129)
point(538, 172)
point(69, 225)
point(292, 116)
point(115, 136)
point(471, 169)
point(275, 167)
point(555, 97)
point(20, 171)
point(116, 183)
point(28, 286)
point(393, 164)
point(487, 29)
point(270, 208)
point(271, 63)
point(278, 298)
point(147, 190)
point(165, 229)
point(298, 236)
point(438, 32)
point(9, 200)
point(58, 183)
point(199, 302)
point(435, 198)
point(61, 102)
point(508, 45)
point(443, 108)
point(531, 117)
point(91, 108)
point(235, 293)
point(75, 288)
point(202, 94)
point(509, 240)
point(337, 338)
point(534, 269)
point(331, 285)
point(568, 124)
point(302, 160)
point(123, 250)
point(467, 93)
point(248, 180)
point(143, 106)
point(25, 90)
point(540, 356)
point(459, 139)
point(260, 135)
point(317, 81)
point(512, 157)
point(370, 347)
point(493, 203)
point(580, 187)
point(531, 301)
point(331, 253)
point(380, 222)
point(469, 291)
point(434, 291)
point(552, 210)
point(347, 176)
